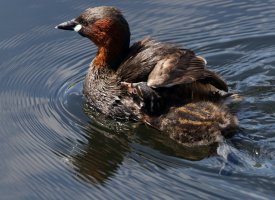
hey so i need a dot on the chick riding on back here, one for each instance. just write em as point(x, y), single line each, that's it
point(157, 83)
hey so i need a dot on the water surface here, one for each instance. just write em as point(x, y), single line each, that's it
point(53, 147)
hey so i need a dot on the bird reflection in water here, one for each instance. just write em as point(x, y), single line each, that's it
point(107, 147)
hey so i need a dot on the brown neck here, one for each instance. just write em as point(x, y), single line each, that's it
point(110, 56)
point(112, 38)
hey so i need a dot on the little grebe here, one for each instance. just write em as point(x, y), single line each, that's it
point(164, 86)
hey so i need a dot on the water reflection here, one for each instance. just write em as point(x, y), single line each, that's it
point(154, 139)
point(98, 160)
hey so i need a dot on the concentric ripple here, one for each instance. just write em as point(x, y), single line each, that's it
point(54, 147)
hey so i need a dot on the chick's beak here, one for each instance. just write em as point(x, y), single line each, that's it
point(71, 25)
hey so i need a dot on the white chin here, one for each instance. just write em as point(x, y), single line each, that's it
point(77, 28)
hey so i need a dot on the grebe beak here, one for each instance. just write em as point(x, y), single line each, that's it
point(71, 25)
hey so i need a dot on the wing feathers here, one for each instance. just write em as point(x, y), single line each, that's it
point(183, 67)
point(165, 65)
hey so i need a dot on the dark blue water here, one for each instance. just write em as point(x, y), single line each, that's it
point(53, 147)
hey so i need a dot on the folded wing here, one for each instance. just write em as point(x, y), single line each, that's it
point(183, 67)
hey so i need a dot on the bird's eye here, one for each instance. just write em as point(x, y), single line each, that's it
point(82, 22)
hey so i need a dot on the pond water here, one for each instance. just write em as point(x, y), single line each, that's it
point(53, 147)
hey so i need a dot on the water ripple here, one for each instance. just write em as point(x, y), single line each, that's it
point(51, 149)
